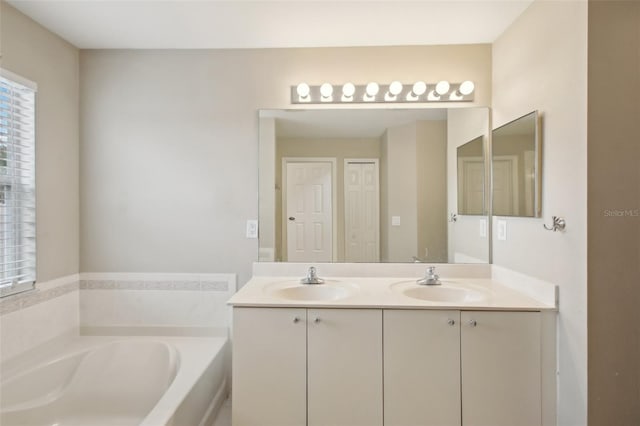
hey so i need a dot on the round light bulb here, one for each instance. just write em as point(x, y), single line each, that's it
point(303, 90)
point(442, 88)
point(326, 90)
point(395, 88)
point(466, 88)
point(419, 87)
point(348, 90)
point(372, 89)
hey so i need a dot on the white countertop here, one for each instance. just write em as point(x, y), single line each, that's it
point(387, 292)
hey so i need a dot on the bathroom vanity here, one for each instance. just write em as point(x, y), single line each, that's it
point(387, 351)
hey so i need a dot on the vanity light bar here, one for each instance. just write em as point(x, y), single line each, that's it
point(394, 92)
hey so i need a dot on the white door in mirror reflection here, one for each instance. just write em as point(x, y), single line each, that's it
point(471, 185)
point(505, 185)
point(362, 211)
point(308, 212)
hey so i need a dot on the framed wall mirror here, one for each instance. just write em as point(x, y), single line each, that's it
point(516, 167)
point(370, 185)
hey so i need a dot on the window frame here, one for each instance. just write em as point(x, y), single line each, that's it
point(19, 246)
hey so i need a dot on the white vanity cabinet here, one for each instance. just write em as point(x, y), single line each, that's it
point(421, 367)
point(315, 367)
point(501, 368)
point(344, 367)
point(269, 367)
point(469, 368)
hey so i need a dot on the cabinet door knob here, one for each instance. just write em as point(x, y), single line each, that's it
point(316, 320)
point(296, 319)
point(451, 322)
point(473, 323)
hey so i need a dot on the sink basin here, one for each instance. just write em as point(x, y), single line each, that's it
point(312, 292)
point(330, 290)
point(444, 294)
point(440, 293)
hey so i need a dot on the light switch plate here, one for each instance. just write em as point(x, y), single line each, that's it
point(252, 228)
point(395, 220)
point(502, 230)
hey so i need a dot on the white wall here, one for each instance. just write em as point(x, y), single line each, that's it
point(465, 242)
point(170, 143)
point(32, 52)
point(33, 319)
point(540, 63)
point(190, 302)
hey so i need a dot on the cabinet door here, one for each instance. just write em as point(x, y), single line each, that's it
point(269, 367)
point(421, 368)
point(344, 367)
point(501, 370)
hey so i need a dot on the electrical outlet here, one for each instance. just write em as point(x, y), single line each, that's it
point(252, 228)
point(395, 220)
point(502, 230)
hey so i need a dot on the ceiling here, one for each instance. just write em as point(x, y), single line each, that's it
point(208, 24)
point(346, 123)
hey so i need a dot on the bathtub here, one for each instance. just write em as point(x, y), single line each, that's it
point(101, 380)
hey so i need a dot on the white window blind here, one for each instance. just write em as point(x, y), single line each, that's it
point(17, 184)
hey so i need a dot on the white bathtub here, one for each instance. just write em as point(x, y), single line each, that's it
point(96, 381)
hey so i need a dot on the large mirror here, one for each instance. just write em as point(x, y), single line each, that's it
point(372, 185)
point(516, 156)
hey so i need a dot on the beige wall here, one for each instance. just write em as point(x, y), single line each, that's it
point(384, 197)
point(614, 213)
point(267, 191)
point(431, 195)
point(32, 52)
point(170, 143)
point(540, 63)
point(340, 149)
point(399, 243)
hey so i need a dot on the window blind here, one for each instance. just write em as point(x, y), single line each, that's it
point(17, 184)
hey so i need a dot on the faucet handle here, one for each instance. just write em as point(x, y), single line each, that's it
point(312, 277)
point(430, 278)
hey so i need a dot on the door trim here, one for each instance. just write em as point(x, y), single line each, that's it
point(334, 201)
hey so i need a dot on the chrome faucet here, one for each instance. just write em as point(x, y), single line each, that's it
point(312, 277)
point(430, 278)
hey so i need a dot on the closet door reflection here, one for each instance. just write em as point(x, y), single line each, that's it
point(362, 207)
